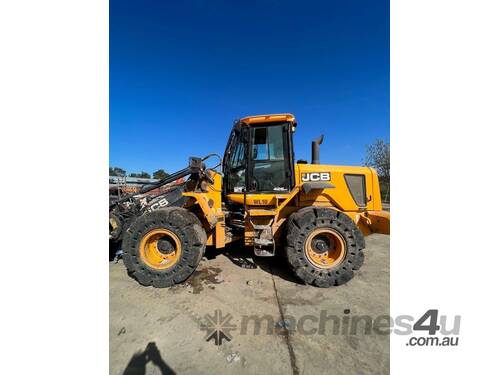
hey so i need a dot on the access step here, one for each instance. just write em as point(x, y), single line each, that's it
point(261, 212)
point(264, 250)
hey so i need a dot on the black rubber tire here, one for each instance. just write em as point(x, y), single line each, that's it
point(191, 235)
point(301, 223)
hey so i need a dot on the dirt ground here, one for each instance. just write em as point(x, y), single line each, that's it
point(273, 323)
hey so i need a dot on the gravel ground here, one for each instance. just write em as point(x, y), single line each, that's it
point(303, 329)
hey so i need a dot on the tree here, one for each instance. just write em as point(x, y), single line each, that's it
point(140, 175)
point(160, 174)
point(117, 171)
point(378, 156)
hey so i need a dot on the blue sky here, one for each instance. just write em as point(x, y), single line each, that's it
point(182, 71)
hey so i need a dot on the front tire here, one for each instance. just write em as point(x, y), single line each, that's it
point(323, 246)
point(164, 247)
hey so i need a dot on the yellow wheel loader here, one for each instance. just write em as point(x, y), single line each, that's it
point(316, 214)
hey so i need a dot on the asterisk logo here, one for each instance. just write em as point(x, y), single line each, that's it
point(218, 327)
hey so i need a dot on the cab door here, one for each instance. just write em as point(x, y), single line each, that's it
point(235, 162)
point(271, 159)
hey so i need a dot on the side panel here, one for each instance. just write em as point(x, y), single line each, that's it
point(340, 196)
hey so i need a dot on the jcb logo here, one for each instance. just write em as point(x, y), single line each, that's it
point(157, 205)
point(316, 176)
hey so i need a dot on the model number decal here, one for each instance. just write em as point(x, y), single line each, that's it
point(260, 201)
point(316, 176)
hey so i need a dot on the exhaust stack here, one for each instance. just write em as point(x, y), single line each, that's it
point(315, 149)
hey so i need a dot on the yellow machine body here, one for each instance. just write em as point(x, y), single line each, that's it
point(317, 185)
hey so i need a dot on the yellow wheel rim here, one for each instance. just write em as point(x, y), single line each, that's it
point(113, 223)
point(325, 248)
point(160, 249)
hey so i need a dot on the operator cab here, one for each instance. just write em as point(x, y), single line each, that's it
point(259, 155)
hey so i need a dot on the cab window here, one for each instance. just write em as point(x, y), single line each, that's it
point(269, 164)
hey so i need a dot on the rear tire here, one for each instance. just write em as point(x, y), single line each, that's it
point(163, 247)
point(323, 246)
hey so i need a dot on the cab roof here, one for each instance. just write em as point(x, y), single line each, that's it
point(259, 119)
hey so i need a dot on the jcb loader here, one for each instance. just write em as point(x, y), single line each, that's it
point(316, 214)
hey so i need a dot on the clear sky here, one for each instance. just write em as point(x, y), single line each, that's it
point(182, 71)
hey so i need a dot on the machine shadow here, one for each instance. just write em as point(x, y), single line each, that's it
point(138, 362)
point(243, 257)
point(113, 249)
